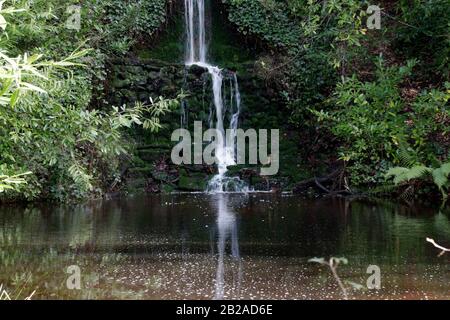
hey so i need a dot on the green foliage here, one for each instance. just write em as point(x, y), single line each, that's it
point(48, 124)
point(109, 27)
point(439, 176)
point(8, 182)
point(367, 118)
point(265, 19)
point(425, 34)
point(429, 124)
point(314, 43)
point(296, 25)
point(313, 39)
point(402, 174)
point(134, 18)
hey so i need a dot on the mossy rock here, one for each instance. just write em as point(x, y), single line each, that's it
point(197, 70)
point(118, 83)
point(167, 188)
point(136, 184)
point(140, 172)
point(235, 170)
point(260, 183)
point(135, 70)
point(161, 176)
point(152, 155)
point(196, 182)
point(153, 75)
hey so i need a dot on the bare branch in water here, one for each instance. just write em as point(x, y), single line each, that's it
point(444, 250)
point(333, 264)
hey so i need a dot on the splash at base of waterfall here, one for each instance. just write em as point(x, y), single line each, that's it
point(222, 184)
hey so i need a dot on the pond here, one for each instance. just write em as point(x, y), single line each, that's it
point(222, 246)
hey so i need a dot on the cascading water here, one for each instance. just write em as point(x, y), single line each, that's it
point(196, 52)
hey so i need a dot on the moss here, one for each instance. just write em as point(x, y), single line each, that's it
point(167, 188)
point(136, 184)
point(194, 182)
point(225, 49)
point(151, 155)
point(169, 47)
point(140, 172)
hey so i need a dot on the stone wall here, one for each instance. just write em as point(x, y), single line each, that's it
point(152, 170)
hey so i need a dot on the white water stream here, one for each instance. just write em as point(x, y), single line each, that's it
point(196, 53)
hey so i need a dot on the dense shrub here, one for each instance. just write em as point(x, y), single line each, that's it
point(268, 20)
point(374, 122)
point(314, 40)
point(48, 123)
point(425, 34)
point(323, 66)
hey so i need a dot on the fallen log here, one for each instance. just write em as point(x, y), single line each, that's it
point(317, 183)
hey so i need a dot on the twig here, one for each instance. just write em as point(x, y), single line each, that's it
point(321, 186)
point(3, 294)
point(414, 27)
point(444, 250)
point(31, 295)
point(333, 265)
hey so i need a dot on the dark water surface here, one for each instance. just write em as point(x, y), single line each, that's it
point(222, 246)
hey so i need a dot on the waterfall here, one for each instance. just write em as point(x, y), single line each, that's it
point(195, 31)
point(196, 52)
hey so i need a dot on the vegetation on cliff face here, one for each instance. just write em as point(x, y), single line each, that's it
point(375, 94)
point(362, 100)
point(54, 121)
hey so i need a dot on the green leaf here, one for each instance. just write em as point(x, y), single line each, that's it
point(440, 177)
point(417, 172)
point(14, 98)
point(32, 87)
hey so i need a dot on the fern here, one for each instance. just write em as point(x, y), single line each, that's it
point(402, 174)
point(440, 177)
point(398, 173)
point(407, 157)
point(383, 189)
point(418, 172)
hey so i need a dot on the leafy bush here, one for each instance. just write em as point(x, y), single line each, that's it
point(48, 124)
point(313, 39)
point(429, 123)
point(373, 122)
point(424, 34)
point(367, 118)
point(265, 19)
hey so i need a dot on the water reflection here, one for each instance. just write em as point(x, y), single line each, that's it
point(227, 228)
point(196, 246)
